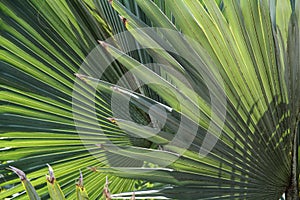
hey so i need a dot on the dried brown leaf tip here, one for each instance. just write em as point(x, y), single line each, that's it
point(80, 181)
point(19, 172)
point(133, 196)
point(50, 177)
point(81, 77)
point(110, 1)
point(124, 20)
point(106, 191)
point(102, 43)
point(112, 120)
point(93, 169)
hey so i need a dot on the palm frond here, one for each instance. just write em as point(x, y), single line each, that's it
point(200, 96)
point(43, 43)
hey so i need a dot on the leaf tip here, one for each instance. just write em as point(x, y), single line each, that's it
point(106, 191)
point(80, 180)
point(102, 43)
point(50, 177)
point(81, 76)
point(124, 20)
point(112, 120)
point(93, 169)
point(133, 196)
point(19, 172)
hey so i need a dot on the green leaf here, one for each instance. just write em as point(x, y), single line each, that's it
point(191, 60)
point(32, 195)
point(53, 187)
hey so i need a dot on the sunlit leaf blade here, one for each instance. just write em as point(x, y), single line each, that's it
point(42, 45)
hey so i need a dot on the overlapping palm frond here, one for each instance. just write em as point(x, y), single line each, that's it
point(207, 103)
point(250, 43)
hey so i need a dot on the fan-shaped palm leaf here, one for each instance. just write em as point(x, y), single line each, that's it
point(241, 57)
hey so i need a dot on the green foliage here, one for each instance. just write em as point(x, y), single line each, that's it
point(57, 106)
point(54, 189)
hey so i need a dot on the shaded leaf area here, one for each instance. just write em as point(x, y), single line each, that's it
point(253, 155)
point(217, 123)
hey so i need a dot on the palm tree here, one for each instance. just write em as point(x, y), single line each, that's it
point(183, 99)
